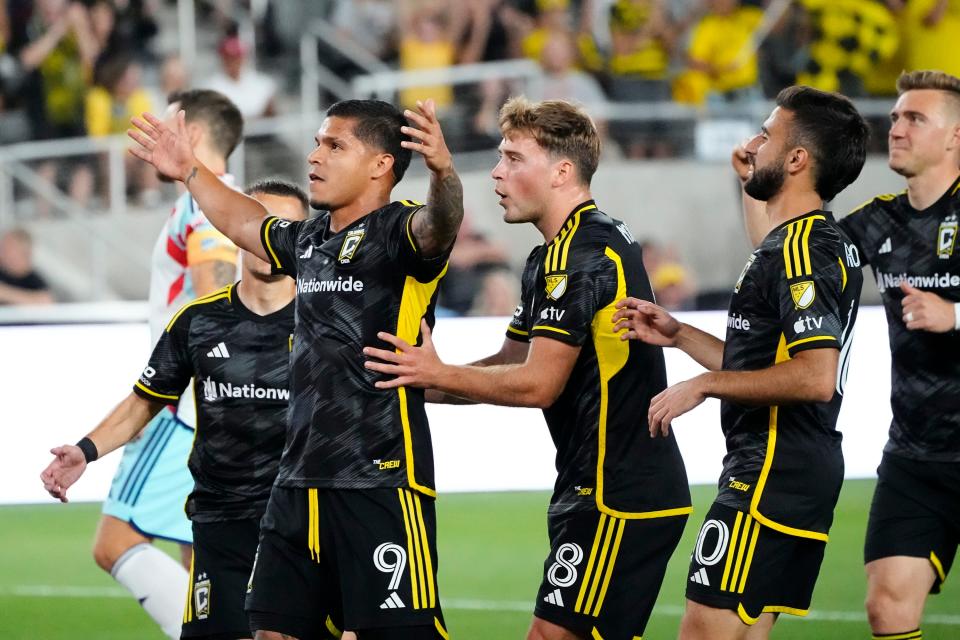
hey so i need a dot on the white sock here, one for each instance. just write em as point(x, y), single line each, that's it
point(158, 582)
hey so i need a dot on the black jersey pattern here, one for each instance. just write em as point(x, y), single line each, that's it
point(366, 278)
point(606, 458)
point(800, 289)
point(240, 364)
point(901, 243)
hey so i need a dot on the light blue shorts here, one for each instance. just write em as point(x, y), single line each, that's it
point(152, 482)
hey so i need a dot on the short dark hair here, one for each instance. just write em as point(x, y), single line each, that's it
point(829, 126)
point(377, 124)
point(215, 110)
point(282, 188)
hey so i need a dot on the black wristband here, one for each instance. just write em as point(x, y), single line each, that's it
point(89, 449)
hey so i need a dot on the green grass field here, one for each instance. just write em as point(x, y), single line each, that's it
point(492, 548)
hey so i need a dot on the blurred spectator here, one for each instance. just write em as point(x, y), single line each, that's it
point(253, 92)
point(370, 23)
point(562, 80)
point(498, 294)
point(673, 286)
point(429, 33)
point(785, 51)
point(174, 76)
point(474, 256)
point(721, 56)
point(19, 281)
point(118, 96)
point(14, 123)
point(931, 33)
point(851, 38)
point(554, 16)
point(642, 38)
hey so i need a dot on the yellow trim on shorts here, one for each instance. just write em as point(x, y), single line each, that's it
point(443, 632)
point(188, 607)
point(313, 524)
point(332, 628)
point(935, 561)
point(600, 567)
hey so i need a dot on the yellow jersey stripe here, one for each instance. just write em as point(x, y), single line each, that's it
point(805, 245)
point(620, 524)
point(417, 549)
point(568, 241)
point(741, 552)
point(795, 247)
point(746, 567)
point(414, 586)
point(212, 297)
point(787, 264)
point(885, 197)
point(410, 233)
point(590, 562)
point(730, 551)
point(439, 627)
point(154, 393)
point(546, 328)
point(813, 339)
point(414, 302)
point(519, 332)
point(596, 634)
point(411, 203)
point(268, 245)
point(935, 561)
point(427, 556)
point(646, 515)
point(843, 275)
point(601, 564)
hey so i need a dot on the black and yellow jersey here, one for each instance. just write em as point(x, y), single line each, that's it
point(351, 284)
point(919, 247)
point(240, 365)
point(800, 289)
point(606, 458)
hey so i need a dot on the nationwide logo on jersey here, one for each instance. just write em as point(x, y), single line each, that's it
point(213, 390)
point(743, 274)
point(947, 237)
point(350, 244)
point(803, 294)
point(556, 285)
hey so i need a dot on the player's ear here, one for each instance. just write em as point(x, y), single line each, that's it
point(798, 159)
point(563, 172)
point(195, 133)
point(382, 165)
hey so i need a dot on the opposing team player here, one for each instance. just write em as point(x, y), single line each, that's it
point(779, 376)
point(235, 345)
point(352, 510)
point(909, 239)
point(621, 498)
point(190, 259)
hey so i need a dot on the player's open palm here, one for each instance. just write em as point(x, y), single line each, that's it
point(642, 320)
point(67, 467)
point(167, 147)
point(427, 137)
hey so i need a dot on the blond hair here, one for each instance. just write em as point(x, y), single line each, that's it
point(932, 80)
point(561, 128)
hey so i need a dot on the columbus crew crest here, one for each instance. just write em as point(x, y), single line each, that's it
point(556, 285)
point(803, 294)
point(350, 245)
point(947, 237)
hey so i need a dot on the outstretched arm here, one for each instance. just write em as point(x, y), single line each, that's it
point(654, 325)
point(536, 382)
point(434, 226)
point(116, 430)
point(168, 149)
point(511, 352)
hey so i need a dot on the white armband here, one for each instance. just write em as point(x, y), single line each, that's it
point(956, 317)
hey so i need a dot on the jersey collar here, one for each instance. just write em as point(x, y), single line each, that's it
point(583, 207)
point(243, 310)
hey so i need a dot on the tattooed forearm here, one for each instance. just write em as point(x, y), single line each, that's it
point(435, 226)
point(191, 176)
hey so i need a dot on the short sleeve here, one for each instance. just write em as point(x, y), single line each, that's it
point(279, 239)
point(809, 296)
point(403, 246)
point(567, 300)
point(855, 226)
point(169, 370)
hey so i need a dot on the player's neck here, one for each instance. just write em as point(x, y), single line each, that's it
point(265, 296)
point(211, 159)
point(366, 203)
point(927, 187)
point(558, 210)
point(791, 203)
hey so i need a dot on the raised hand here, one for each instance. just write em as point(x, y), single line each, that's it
point(427, 137)
point(742, 164)
point(167, 147)
point(67, 466)
point(645, 321)
point(926, 311)
point(412, 366)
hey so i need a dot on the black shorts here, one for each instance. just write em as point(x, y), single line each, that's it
point(915, 512)
point(742, 565)
point(223, 554)
point(346, 559)
point(603, 573)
